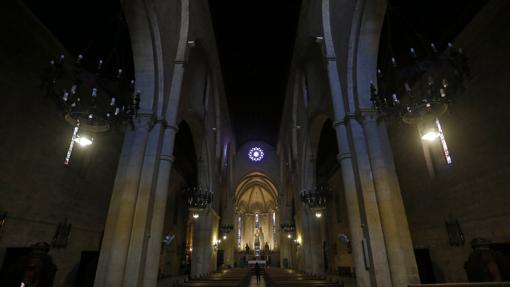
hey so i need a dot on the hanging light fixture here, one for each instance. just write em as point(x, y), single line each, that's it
point(94, 95)
point(92, 102)
point(419, 86)
point(430, 135)
point(225, 229)
point(315, 199)
point(422, 90)
point(288, 228)
point(197, 199)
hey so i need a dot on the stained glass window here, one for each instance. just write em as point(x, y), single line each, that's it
point(274, 230)
point(446, 152)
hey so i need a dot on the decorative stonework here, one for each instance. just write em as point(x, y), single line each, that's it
point(256, 154)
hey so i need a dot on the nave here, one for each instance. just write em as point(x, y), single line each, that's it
point(145, 141)
point(246, 277)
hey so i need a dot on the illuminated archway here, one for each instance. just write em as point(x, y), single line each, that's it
point(256, 208)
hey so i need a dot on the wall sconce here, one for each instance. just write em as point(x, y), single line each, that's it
point(216, 244)
point(225, 230)
point(297, 241)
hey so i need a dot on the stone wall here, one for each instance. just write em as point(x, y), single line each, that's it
point(36, 189)
point(474, 189)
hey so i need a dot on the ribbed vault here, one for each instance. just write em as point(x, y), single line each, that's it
point(256, 194)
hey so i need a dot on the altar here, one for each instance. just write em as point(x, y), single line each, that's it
point(262, 263)
point(271, 258)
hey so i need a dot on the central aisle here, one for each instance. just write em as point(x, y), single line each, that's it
point(253, 282)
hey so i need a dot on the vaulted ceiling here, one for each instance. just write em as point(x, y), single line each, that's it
point(256, 194)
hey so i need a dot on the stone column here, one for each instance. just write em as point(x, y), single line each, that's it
point(205, 232)
point(159, 207)
point(306, 241)
point(364, 221)
point(352, 204)
point(200, 246)
point(135, 165)
point(373, 231)
point(393, 217)
point(141, 217)
point(316, 244)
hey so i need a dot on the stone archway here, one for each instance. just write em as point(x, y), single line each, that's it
point(256, 211)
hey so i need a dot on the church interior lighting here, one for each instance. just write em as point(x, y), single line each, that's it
point(418, 87)
point(430, 135)
point(83, 140)
point(315, 198)
point(256, 154)
point(199, 166)
point(94, 98)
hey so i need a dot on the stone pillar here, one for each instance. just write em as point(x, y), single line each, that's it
point(124, 229)
point(393, 217)
point(352, 204)
point(205, 232)
point(316, 244)
point(159, 207)
point(142, 213)
point(229, 246)
point(373, 228)
point(363, 212)
point(306, 241)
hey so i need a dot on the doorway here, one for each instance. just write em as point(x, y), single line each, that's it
point(424, 263)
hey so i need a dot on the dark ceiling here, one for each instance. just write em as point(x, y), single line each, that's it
point(418, 23)
point(255, 42)
point(95, 28)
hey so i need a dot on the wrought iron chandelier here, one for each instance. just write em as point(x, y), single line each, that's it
point(225, 229)
point(419, 85)
point(315, 198)
point(197, 199)
point(91, 101)
point(288, 227)
point(422, 89)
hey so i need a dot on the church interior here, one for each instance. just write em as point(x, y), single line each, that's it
point(215, 142)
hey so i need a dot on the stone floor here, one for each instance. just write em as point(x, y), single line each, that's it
point(253, 282)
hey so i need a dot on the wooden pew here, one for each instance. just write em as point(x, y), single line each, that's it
point(228, 278)
point(477, 284)
point(276, 277)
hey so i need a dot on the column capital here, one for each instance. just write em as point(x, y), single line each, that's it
point(368, 114)
point(144, 119)
point(346, 119)
point(155, 121)
point(166, 157)
point(345, 155)
point(171, 127)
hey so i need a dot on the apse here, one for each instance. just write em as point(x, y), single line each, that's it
point(256, 210)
